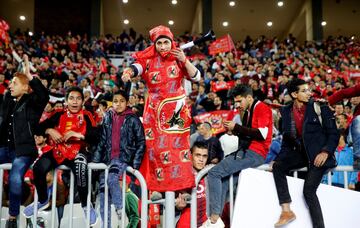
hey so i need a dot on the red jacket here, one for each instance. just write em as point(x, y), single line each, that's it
point(346, 93)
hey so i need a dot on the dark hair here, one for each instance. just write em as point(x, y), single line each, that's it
point(163, 36)
point(293, 85)
point(208, 125)
point(242, 90)
point(199, 145)
point(104, 103)
point(122, 93)
point(340, 103)
point(74, 89)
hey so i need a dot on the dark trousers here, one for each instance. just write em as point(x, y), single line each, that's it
point(293, 160)
point(47, 162)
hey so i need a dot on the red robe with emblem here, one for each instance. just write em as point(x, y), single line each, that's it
point(166, 165)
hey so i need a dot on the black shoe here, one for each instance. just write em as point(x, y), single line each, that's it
point(11, 223)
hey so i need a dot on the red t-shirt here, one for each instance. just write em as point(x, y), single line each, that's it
point(184, 221)
point(262, 120)
point(299, 114)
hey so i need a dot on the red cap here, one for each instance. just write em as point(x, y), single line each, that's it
point(158, 31)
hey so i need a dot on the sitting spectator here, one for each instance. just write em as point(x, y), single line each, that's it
point(216, 153)
point(344, 156)
point(199, 152)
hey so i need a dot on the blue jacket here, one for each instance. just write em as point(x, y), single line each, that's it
point(316, 136)
point(344, 157)
point(132, 141)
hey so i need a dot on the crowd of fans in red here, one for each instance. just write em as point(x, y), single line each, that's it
point(266, 64)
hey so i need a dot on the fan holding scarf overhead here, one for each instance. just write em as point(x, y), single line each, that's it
point(163, 66)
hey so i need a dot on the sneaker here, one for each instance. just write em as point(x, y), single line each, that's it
point(29, 210)
point(93, 216)
point(207, 224)
point(285, 218)
point(155, 196)
point(11, 223)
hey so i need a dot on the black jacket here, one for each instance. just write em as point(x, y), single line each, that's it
point(132, 141)
point(27, 112)
point(316, 136)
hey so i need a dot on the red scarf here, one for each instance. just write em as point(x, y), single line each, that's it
point(151, 52)
point(70, 122)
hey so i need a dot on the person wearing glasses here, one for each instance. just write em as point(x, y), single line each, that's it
point(310, 138)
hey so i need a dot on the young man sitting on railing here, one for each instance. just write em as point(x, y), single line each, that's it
point(255, 139)
point(199, 157)
point(310, 138)
point(71, 131)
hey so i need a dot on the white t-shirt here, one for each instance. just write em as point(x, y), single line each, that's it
point(229, 143)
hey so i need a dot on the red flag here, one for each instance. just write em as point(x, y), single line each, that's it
point(103, 66)
point(219, 86)
point(223, 44)
point(4, 36)
point(216, 119)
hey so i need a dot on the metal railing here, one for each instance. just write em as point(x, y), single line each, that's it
point(168, 202)
point(91, 166)
point(265, 167)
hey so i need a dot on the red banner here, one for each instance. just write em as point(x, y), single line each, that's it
point(216, 119)
point(219, 86)
point(354, 74)
point(223, 44)
point(4, 36)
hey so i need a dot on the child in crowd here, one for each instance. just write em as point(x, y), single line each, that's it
point(71, 132)
point(122, 143)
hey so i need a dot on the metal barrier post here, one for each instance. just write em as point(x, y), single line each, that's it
point(34, 217)
point(71, 200)
point(144, 195)
point(231, 196)
point(88, 198)
point(1, 191)
point(346, 183)
point(123, 199)
point(329, 178)
point(53, 200)
point(106, 199)
point(169, 209)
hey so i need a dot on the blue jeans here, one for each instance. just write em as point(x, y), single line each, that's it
point(16, 177)
point(218, 177)
point(116, 169)
point(355, 136)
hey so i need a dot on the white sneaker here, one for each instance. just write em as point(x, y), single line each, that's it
point(207, 224)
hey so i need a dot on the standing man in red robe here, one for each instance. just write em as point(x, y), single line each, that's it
point(163, 66)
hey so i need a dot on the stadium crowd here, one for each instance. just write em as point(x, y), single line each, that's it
point(265, 64)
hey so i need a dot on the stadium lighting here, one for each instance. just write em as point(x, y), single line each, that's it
point(126, 21)
point(22, 18)
point(232, 3)
point(125, 1)
point(269, 23)
point(280, 3)
point(171, 22)
point(323, 23)
point(174, 2)
point(225, 23)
